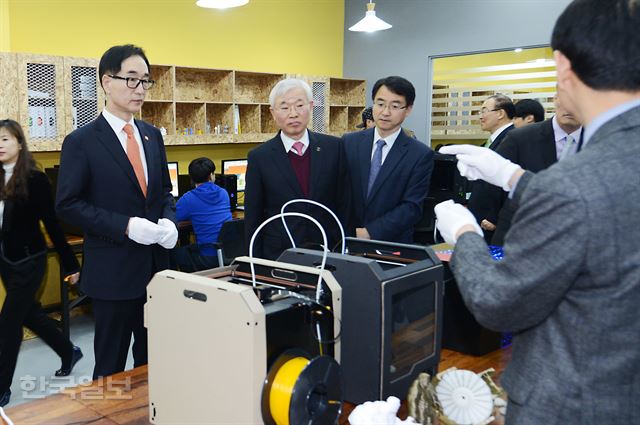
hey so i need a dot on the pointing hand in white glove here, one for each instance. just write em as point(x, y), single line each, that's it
point(170, 237)
point(143, 231)
point(451, 217)
point(476, 163)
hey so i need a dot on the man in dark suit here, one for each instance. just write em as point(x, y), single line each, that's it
point(534, 147)
point(389, 171)
point(295, 164)
point(114, 184)
point(527, 111)
point(496, 115)
point(569, 283)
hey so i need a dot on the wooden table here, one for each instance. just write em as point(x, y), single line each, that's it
point(123, 398)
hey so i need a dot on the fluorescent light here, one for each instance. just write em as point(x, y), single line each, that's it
point(518, 49)
point(221, 4)
point(370, 22)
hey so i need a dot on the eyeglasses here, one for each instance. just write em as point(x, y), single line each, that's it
point(485, 111)
point(287, 109)
point(393, 107)
point(133, 82)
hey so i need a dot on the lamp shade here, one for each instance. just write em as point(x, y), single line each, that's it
point(221, 4)
point(370, 22)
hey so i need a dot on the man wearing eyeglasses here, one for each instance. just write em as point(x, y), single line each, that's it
point(295, 164)
point(496, 117)
point(114, 184)
point(389, 171)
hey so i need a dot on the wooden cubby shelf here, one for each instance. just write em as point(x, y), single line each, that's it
point(188, 102)
point(159, 114)
point(206, 85)
point(254, 87)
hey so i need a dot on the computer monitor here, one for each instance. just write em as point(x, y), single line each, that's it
point(237, 167)
point(173, 175)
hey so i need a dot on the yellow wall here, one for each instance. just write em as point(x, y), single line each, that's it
point(294, 36)
point(285, 36)
point(5, 45)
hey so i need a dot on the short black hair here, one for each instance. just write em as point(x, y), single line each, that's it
point(200, 169)
point(505, 103)
point(111, 60)
point(601, 39)
point(527, 107)
point(398, 85)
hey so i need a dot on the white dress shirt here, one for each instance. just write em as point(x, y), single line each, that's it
point(117, 124)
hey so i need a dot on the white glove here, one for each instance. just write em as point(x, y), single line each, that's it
point(451, 217)
point(377, 412)
point(170, 237)
point(144, 232)
point(476, 163)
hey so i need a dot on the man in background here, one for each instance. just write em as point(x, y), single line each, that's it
point(114, 184)
point(367, 119)
point(527, 111)
point(496, 115)
point(535, 147)
point(207, 208)
point(295, 164)
point(389, 171)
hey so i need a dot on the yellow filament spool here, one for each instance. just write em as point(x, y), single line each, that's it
point(282, 389)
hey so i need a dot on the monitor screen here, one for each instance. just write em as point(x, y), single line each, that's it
point(173, 175)
point(237, 167)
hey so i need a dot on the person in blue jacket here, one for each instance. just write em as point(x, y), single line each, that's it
point(207, 207)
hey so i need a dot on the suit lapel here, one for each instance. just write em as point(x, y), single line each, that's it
point(109, 140)
point(549, 154)
point(283, 165)
point(364, 159)
point(500, 137)
point(315, 158)
point(398, 150)
point(150, 155)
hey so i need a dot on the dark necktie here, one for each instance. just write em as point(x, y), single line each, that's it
point(376, 164)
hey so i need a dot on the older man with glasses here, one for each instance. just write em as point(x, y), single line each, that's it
point(295, 164)
point(496, 115)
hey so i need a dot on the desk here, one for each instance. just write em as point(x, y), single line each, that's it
point(107, 403)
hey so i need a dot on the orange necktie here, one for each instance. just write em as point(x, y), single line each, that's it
point(133, 153)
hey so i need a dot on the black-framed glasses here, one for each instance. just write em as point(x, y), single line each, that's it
point(133, 82)
point(393, 107)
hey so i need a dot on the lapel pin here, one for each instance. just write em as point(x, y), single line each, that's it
point(146, 138)
point(318, 149)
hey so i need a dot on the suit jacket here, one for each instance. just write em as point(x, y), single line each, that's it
point(569, 285)
point(20, 233)
point(98, 191)
point(533, 147)
point(480, 203)
point(271, 182)
point(395, 204)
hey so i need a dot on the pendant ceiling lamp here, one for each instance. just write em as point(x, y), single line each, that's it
point(370, 22)
point(221, 4)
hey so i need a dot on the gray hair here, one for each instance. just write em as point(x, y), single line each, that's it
point(287, 84)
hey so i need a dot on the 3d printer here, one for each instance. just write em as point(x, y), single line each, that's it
point(227, 345)
point(392, 314)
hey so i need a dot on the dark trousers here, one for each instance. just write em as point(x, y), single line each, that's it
point(21, 282)
point(116, 321)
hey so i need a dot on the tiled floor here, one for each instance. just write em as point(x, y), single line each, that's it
point(37, 363)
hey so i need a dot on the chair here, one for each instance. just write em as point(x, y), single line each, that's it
point(230, 243)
